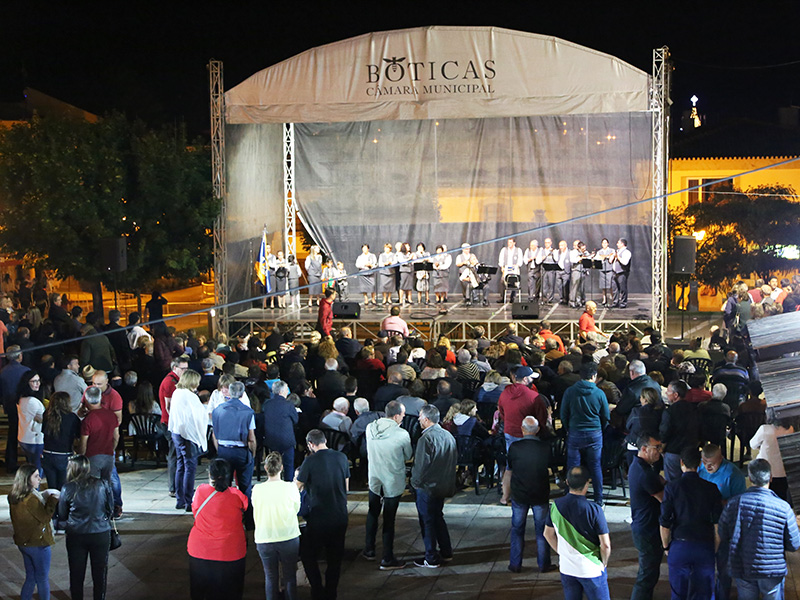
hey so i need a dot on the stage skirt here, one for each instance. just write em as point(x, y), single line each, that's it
point(386, 281)
point(441, 281)
point(366, 283)
point(280, 283)
point(605, 279)
point(406, 280)
point(314, 285)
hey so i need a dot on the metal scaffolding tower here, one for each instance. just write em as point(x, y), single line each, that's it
point(659, 108)
point(289, 207)
point(217, 97)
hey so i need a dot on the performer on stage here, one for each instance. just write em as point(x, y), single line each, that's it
point(607, 272)
point(281, 279)
point(531, 259)
point(340, 281)
point(293, 280)
point(441, 274)
point(404, 257)
point(549, 278)
point(467, 262)
point(422, 277)
point(577, 295)
point(272, 301)
point(510, 262)
point(564, 271)
point(386, 278)
point(621, 263)
point(313, 267)
point(366, 262)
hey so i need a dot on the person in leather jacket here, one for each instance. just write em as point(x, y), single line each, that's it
point(85, 509)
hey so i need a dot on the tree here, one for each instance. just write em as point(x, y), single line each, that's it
point(744, 232)
point(65, 185)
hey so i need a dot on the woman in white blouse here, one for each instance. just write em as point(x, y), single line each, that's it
point(364, 263)
point(188, 424)
point(30, 411)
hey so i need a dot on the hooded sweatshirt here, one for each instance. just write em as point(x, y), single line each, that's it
point(516, 403)
point(388, 449)
point(584, 407)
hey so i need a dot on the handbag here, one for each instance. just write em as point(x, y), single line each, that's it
point(116, 540)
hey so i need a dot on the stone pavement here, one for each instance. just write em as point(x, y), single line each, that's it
point(152, 562)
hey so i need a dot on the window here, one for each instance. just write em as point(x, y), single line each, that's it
point(702, 194)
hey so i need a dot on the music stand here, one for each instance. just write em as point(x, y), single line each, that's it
point(591, 265)
point(487, 270)
point(424, 266)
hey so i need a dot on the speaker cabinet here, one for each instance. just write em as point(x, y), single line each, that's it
point(683, 255)
point(346, 310)
point(114, 254)
point(525, 310)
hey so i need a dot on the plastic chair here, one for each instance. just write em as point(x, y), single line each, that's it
point(469, 457)
point(148, 432)
point(411, 425)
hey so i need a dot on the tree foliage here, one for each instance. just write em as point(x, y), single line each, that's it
point(66, 184)
point(744, 232)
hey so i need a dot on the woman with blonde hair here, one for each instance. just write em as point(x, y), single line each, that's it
point(277, 535)
point(188, 424)
point(31, 513)
point(86, 505)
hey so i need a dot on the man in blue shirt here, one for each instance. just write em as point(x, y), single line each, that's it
point(689, 511)
point(758, 528)
point(730, 481)
point(234, 435)
point(577, 530)
point(9, 380)
point(647, 492)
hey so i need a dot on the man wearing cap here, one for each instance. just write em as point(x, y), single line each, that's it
point(520, 400)
point(464, 262)
point(584, 415)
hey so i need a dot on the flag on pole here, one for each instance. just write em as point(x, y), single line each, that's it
point(262, 267)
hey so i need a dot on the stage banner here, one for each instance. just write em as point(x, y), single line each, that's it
point(439, 73)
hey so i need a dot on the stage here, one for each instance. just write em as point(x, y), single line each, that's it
point(427, 323)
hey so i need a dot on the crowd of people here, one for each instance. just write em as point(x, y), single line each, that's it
point(517, 409)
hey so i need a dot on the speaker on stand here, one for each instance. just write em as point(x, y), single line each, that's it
point(684, 260)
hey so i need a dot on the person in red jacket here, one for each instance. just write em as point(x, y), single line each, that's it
point(520, 400)
point(325, 313)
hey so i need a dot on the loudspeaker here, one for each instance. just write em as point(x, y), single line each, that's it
point(346, 310)
point(114, 254)
point(683, 255)
point(525, 310)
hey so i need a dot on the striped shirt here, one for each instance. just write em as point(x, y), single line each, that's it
point(579, 524)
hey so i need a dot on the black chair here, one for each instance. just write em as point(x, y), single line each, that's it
point(469, 459)
point(486, 412)
point(469, 387)
point(411, 425)
point(369, 380)
point(148, 432)
point(338, 440)
point(558, 456)
point(613, 460)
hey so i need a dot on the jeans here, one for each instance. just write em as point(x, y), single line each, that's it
point(104, 466)
point(287, 456)
point(172, 462)
point(519, 517)
point(55, 469)
point(186, 453)
point(510, 439)
point(769, 588)
point(590, 445)
point(241, 461)
point(691, 570)
point(389, 513)
point(37, 571)
point(434, 528)
point(724, 582)
point(284, 554)
point(672, 466)
point(331, 540)
point(595, 588)
point(214, 579)
point(648, 543)
point(94, 546)
point(33, 455)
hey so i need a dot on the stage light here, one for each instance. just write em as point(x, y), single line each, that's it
point(213, 313)
point(375, 140)
point(694, 100)
point(699, 235)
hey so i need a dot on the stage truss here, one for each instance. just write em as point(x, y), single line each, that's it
point(658, 105)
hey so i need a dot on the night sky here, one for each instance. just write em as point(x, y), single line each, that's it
point(149, 59)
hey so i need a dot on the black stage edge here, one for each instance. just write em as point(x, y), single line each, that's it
point(456, 323)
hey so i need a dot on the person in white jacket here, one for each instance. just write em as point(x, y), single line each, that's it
point(388, 449)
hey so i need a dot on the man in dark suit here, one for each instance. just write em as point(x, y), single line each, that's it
point(391, 391)
point(331, 385)
point(346, 345)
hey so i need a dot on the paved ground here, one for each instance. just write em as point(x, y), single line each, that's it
point(152, 562)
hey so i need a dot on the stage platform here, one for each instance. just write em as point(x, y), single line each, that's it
point(456, 323)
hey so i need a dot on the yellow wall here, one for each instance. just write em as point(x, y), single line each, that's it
point(681, 170)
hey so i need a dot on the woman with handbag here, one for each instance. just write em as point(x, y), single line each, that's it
point(188, 424)
point(86, 505)
point(217, 545)
point(277, 535)
point(31, 513)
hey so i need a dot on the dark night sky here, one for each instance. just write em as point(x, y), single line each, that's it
point(149, 59)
